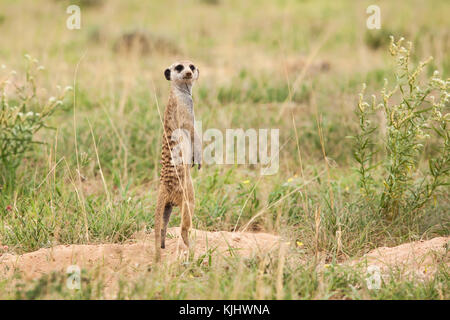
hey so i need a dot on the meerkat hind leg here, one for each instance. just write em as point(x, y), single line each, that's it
point(160, 208)
point(166, 218)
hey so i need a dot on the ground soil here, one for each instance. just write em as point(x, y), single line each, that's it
point(418, 258)
point(135, 257)
point(131, 259)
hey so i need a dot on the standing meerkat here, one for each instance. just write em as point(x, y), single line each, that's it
point(175, 187)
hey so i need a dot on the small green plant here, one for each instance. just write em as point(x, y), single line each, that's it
point(24, 110)
point(414, 112)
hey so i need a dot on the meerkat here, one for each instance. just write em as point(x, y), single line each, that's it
point(175, 187)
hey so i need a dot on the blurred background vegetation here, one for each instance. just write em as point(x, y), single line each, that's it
point(293, 65)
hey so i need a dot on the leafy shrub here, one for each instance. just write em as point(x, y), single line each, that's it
point(414, 111)
point(23, 112)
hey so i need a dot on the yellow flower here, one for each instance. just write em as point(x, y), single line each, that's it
point(326, 265)
point(290, 179)
point(299, 243)
point(246, 181)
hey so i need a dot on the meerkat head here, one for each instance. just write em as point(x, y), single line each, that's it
point(182, 72)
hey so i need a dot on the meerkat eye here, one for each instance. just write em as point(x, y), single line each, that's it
point(179, 68)
point(192, 67)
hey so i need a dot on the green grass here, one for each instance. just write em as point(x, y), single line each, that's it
point(251, 58)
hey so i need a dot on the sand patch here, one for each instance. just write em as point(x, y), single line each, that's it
point(418, 258)
point(133, 259)
point(130, 261)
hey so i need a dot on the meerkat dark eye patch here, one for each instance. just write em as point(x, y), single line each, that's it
point(192, 67)
point(179, 68)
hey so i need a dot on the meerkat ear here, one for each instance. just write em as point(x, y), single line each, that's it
point(167, 74)
point(198, 73)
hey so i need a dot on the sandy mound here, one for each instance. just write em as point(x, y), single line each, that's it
point(133, 258)
point(419, 258)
